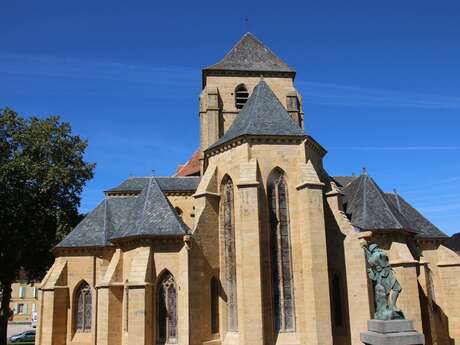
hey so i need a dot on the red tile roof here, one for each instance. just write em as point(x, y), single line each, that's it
point(192, 167)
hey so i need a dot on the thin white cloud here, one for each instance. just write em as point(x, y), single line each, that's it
point(78, 68)
point(346, 95)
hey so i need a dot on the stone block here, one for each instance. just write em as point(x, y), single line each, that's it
point(390, 326)
point(392, 332)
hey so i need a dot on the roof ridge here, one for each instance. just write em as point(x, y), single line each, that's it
point(147, 193)
point(355, 192)
point(382, 196)
point(231, 49)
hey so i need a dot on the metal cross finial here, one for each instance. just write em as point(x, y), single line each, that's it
point(153, 172)
point(246, 23)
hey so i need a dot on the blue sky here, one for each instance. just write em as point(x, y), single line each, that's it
point(380, 82)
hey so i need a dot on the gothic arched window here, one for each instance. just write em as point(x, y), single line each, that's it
point(228, 219)
point(214, 305)
point(83, 308)
point(283, 289)
point(241, 96)
point(167, 309)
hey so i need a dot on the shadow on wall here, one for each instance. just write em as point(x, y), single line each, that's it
point(434, 321)
point(340, 320)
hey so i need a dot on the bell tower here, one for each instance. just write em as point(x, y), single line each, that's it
point(228, 84)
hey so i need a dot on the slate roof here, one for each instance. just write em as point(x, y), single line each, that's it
point(250, 54)
point(166, 183)
point(415, 218)
point(454, 242)
point(369, 208)
point(263, 114)
point(91, 231)
point(192, 167)
point(184, 183)
point(148, 213)
point(343, 180)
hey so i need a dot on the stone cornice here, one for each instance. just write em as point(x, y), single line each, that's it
point(122, 193)
point(310, 185)
point(247, 184)
point(179, 193)
point(84, 251)
point(252, 140)
point(205, 194)
point(315, 146)
point(237, 73)
point(139, 241)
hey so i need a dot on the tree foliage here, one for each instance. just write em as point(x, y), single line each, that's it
point(42, 174)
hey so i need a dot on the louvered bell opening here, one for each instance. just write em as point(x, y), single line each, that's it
point(241, 96)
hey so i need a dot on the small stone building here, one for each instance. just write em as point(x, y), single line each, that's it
point(251, 243)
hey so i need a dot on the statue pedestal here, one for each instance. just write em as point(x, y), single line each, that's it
point(391, 332)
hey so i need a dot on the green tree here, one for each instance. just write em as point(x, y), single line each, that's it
point(42, 174)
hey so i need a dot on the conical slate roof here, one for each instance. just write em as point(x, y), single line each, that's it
point(250, 54)
point(145, 213)
point(370, 208)
point(151, 215)
point(263, 114)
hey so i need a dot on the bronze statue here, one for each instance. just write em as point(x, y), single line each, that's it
point(386, 286)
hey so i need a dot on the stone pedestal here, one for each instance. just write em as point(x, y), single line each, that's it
point(392, 332)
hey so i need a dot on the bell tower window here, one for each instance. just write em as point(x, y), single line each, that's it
point(241, 96)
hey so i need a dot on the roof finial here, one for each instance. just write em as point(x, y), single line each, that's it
point(246, 24)
point(153, 172)
point(364, 172)
point(395, 191)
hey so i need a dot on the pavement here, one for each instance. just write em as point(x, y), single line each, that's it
point(15, 328)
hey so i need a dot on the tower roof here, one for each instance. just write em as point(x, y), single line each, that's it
point(250, 54)
point(263, 114)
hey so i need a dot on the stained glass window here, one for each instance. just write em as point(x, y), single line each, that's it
point(283, 289)
point(83, 308)
point(230, 254)
point(167, 309)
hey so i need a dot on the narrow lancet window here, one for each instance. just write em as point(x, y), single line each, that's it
point(230, 255)
point(167, 309)
point(83, 308)
point(283, 289)
point(241, 96)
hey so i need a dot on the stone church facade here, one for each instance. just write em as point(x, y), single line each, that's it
point(252, 242)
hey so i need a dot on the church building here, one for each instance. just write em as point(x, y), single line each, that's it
point(252, 242)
